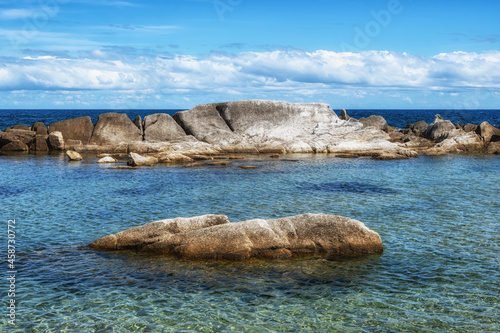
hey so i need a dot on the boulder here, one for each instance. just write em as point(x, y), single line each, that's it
point(174, 158)
point(419, 127)
point(107, 159)
point(374, 121)
point(138, 160)
point(214, 237)
point(114, 128)
point(275, 120)
point(15, 145)
point(344, 115)
point(74, 129)
point(488, 132)
point(12, 135)
point(138, 122)
point(161, 127)
point(41, 143)
point(56, 140)
point(470, 127)
point(493, 148)
point(21, 127)
point(40, 128)
point(439, 129)
point(205, 123)
point(73, 155)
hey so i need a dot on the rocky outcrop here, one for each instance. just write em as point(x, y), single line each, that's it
point(14, 135)
point(74, 129)
point(488, 133)
point(15, 145)
point(115, 128)
point(40, 128)
point(214, 237)
point(440, 129)
point(161, 127)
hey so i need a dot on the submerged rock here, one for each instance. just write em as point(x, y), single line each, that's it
point(214, 237)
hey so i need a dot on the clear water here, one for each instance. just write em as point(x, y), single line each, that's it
point(437, 216)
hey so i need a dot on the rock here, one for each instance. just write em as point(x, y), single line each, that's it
point(205, 123)
point(174, 158)
point(12, 135)
point(214, 237)
point(138, 160)
point(140, 125)
point(487, 132)
point(439, 129)
point(375, 121)
point(56, 140)
point(219, 163)
point(419, 127)
point(40, 128)
point(107, 159)
point(114, 128)
point(74, 129)
point(493, 148)
point(21, 127)
point(470, 127)
point(161, 127)
point(201, 157)
point(73, 155)
point(248, 167)
point(463, 142)
point(274, 156)
point(123, 167)
point(41, 143)
point(16, 145)
point(344, 115)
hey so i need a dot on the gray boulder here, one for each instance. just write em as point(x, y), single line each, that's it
point(161, 127)
point(344, 115)
point(74, 129)
point(114, 128)
point(205, 123)
point(419, 127)
point(439, 129)
point(374, 121)
point(214, 237)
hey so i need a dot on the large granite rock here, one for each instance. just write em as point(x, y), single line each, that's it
point(161, 127)
point(439, 130)
point(74, 129)
point(40, 128)
point(375, 121)
point(15, 145)
point(488, 132)
point(115, 128)
point(214, 237)
point(205, 123)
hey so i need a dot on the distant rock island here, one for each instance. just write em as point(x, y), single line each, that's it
point(213, 237)
point(251, 127)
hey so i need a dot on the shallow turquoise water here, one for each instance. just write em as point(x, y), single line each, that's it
point(437, 216)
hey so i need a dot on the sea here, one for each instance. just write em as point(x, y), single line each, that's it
point(438, 217)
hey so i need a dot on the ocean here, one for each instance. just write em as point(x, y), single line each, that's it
point(437, 217)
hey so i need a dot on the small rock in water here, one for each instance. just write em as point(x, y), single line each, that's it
point(73, 155)
point(248, 167)
point(107, 159)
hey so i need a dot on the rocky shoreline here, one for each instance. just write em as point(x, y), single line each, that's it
point(250, 127)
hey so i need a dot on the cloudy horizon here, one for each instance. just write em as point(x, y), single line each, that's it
point(101, 54)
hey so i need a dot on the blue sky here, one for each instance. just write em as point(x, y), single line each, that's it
point(179, 53)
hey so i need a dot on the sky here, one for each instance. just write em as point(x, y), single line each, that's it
point(175, 54)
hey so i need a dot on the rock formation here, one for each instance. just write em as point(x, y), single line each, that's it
point(115, 128)
point(74, 129)
point(161, 127)
point(214, 237)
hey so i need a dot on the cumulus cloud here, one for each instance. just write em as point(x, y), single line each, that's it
point(244, 72)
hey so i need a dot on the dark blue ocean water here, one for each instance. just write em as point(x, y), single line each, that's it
point(395, 118)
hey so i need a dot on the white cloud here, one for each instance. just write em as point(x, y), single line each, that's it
point(258, 74)
point(14, 14)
